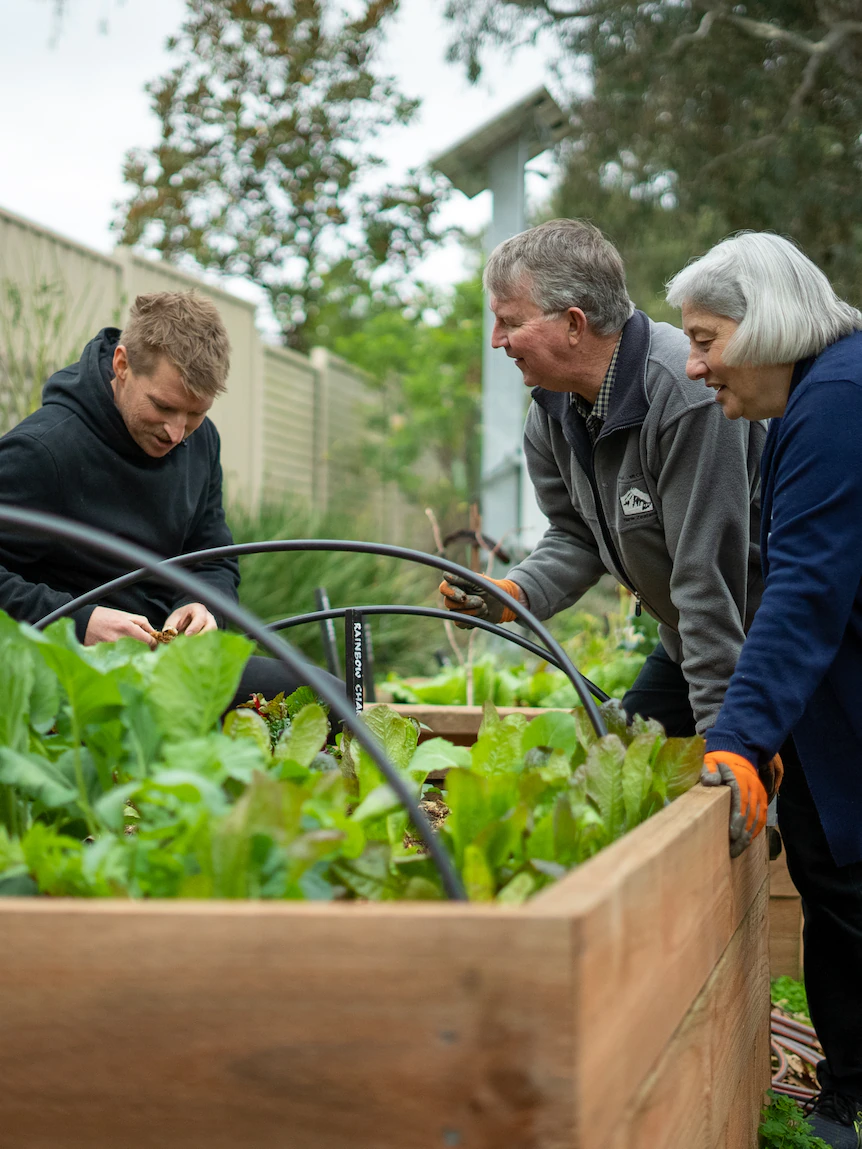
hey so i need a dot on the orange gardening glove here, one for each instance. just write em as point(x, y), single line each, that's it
point(463, 596)
point(748, 799)
point(771, 776)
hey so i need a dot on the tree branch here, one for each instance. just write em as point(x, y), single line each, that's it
point(758, 145)
point(806, 86)
point(702, 31)
point(555, 13)
point(762, 30)
point(817, 50)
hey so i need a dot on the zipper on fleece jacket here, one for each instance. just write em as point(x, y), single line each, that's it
point(606, 535)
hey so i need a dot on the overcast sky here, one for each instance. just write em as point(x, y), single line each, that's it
point(70, 111)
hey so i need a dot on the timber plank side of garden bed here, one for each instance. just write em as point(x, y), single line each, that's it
point(458, 724)
point(625, 1006)
point(672, 994)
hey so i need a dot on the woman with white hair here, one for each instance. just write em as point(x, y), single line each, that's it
point(769, 334)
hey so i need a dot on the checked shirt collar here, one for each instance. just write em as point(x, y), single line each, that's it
point(594, 414)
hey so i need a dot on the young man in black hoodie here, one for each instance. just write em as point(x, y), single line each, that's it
point(122, 442)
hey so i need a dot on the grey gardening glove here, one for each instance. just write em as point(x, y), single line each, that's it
point(463, 596)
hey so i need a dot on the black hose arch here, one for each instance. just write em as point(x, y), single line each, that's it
point(386, 550)
point(53, 526)
point(433, 612)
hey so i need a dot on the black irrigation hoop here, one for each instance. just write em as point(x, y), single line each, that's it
point(432, 612)
point(387, 550)
point(53, 526)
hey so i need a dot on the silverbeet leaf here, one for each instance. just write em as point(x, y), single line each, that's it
point(38, 778)
point(93, 696)
point(194, 681)
point(556, 730)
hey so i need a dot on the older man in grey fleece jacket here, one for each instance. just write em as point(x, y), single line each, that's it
point(634, 465)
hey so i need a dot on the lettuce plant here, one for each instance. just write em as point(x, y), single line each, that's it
point(118, 777)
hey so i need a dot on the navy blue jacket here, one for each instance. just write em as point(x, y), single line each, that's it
point(75, 458)
point(800, 671)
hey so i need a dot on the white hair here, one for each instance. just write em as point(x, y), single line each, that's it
point(784, 304)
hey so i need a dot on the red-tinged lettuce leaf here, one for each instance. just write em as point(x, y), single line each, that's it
point(584, 728)
point(397, 737)
point(638, 777)
point(616, 720)
point(604, 777)
point(247, 724)
point(641, 725)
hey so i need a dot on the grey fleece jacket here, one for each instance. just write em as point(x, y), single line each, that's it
point(667, 501)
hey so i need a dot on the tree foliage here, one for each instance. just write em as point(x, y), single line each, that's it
point(717, 116)
point(427, 361)
point(267, 120)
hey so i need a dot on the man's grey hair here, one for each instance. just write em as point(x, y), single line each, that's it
point(784, 304)
point(561, 264)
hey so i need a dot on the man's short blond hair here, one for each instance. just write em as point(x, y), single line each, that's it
point(187, 330)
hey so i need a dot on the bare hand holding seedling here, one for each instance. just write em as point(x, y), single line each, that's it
point(107, 625)
point(192, 618)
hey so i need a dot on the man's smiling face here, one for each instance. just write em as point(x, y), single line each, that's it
point(158, 409)
point(538, 343)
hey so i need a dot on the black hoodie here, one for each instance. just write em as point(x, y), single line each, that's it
point(75, 457)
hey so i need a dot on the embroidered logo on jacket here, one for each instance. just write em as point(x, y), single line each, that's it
point(635, 502)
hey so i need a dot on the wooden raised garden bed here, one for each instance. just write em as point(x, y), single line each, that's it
point(625, 1006)
point(458, 724)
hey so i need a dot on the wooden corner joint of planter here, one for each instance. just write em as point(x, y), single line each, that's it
point(652, 918)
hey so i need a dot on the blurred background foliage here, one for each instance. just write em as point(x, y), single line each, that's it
point(690, 119)
point(278, 585)
point(268, 120)
point(698, 118)
point(426, 360)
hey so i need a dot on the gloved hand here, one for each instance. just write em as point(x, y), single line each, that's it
point(748, 799)
point(463, 596)
point(771, 776)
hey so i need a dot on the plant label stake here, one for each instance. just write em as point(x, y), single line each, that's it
point(327, 633)
point(368, 663)
point(354, 648)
